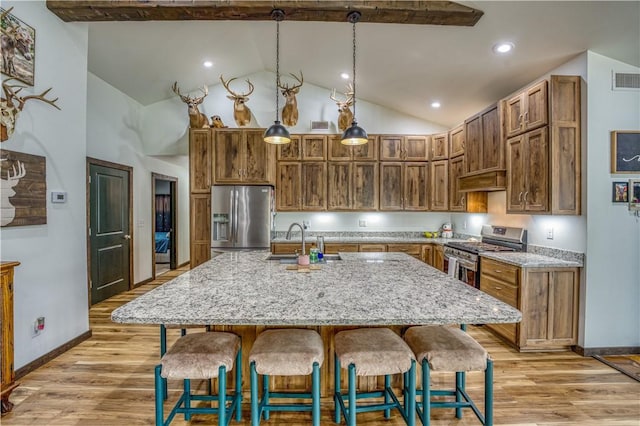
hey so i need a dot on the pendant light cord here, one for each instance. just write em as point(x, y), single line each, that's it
point(278, 67)
point(354, 20)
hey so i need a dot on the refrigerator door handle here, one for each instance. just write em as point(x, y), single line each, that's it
point(232, 221)
point(235, 217)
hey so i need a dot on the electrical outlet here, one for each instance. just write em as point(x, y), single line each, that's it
point(362, 223)
point(464, 225)
point(306, 224)
point(549, 233)
point(38, 326)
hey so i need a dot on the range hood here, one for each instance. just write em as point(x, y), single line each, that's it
point(483, 181)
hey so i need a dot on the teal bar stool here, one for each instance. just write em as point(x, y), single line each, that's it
point(285, 352)
point(442, 348)
point(201, 356)
point(373, 352)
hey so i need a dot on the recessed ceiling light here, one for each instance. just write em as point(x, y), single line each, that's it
point(502, 48)
point(435, 104)
point(207, 64)
point(344, 75)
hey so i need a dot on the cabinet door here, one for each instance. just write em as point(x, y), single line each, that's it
point(427, 254)
point(228, 155)
point(536, 112)
point(473, 144)
point(391, 147)
point(291, 151)
point(200, 160)
point(439, 179)
point(513, 115)
point(516, 174)
point(440, 146)
point(536, 196)
point(438, 257)
point(200, 228)
point(372, 248)
point(258, 158)
point(492, 147)
point(456, 141)
point(366, 152)
point(416, 186)
point(365, 186)
point(391, 187)
point(314, 148)
point(416, 148)
point(456, 198)
point(339, 185)
point(338, 151)
point(314, 186)
point(288, 190)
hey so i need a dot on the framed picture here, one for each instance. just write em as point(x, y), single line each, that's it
point(18, 48)
point(620, 192)
point(23, 178)
point(634, 194)
point(625, 151)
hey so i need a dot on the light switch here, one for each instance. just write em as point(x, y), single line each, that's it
point(58, 197)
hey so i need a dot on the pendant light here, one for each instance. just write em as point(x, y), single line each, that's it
point(354, 135)
point(277, 134)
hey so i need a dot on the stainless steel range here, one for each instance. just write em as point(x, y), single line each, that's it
point(461, 258)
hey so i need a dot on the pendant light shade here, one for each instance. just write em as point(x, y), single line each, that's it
point(277, 134)
point(354, 135)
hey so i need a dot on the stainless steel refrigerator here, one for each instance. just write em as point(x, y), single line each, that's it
point(241, 216)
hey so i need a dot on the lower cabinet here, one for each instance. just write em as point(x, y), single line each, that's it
point(547, 298)
point(7, 373)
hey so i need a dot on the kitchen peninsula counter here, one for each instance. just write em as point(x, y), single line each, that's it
point(531, 260)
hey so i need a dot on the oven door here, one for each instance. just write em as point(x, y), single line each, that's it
point(464, 271)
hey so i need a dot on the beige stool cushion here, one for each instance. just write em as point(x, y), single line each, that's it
point(446, 348)
point(374, 351)
point(287, 352)
point(199, 355)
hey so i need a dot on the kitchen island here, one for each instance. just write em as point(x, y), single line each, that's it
point(245, 293)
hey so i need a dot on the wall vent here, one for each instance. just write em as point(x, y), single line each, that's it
point(320, 126)
point(626, 81)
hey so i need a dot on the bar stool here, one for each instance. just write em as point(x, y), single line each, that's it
point(373, 352)
point(442, 348)
point(202, 356)
point(285, 352)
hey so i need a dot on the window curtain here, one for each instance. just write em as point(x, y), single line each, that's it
point(163, 213)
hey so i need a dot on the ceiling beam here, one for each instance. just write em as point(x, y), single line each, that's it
point(419, 12)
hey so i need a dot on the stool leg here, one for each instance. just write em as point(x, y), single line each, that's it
point(159, 385)
point(410, 401)
point(187, 398)
point(337, 394)
point(488, 394)
point(222, 396)
point(459, 386)
point(387, 385)
point(426, 393)
point(265, 396)
point(255, 415)
point(315, 394)
point(163, 350)
point(351, 421)
point(238, 394)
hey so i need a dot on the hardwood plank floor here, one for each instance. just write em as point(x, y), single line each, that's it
point(108, 380)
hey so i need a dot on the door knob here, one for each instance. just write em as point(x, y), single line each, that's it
point(127, 237)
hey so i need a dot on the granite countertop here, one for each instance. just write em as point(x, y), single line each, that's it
point(243, 288)
point(370, 240)
point(531, 260)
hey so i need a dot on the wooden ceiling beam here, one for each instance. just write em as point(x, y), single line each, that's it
point(419, 12)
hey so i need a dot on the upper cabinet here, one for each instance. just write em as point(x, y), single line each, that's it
point(440, 146)
point(340, 152)
point(242, 156)
point(301, 186)
point(290, 151)
point(404, 148)
point(456, 141)
point(352, 185)
point(200, 163)
point(439, 179)
point(404, 186)
point(527, 110)
point(528, 165)
point(314, 147)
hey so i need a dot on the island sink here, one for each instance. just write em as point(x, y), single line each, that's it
point(293, 259)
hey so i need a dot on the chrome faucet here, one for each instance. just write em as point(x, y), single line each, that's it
point(288, 236)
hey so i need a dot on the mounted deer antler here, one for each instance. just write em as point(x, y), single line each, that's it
point(345, 116)
point(290, 109)
point(197, 120)
point(12, 104)
point(241, 112)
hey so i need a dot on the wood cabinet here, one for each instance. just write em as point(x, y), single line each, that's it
point(528, 165)
point(527, 110)
point(404, 148)
point(200, 160)
point(469, 202)
point(414, 250)
point(439, 180)
point(373, 247)
point(200, 181)
point(333, 248)
point(242, 156)
point(438, 257)
point(301, 186)
point(291, 248)
point(456, 141)
point(339, 152)
point(427, 254)
point(404, 186)
point(314, 147)
point(440, 146)
point(352, 186)
point(291, 151)
point(7, 373)
point(547, 298)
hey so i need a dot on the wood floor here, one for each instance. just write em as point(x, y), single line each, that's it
point(108, 380)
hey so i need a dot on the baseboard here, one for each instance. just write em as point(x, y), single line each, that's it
point(143, 282)
point(39, 362)
point(184, 264)
point(615, 350)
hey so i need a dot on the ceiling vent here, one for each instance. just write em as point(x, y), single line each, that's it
point(320, 126)
point(626, 81)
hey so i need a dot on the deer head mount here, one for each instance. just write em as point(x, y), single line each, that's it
point(12, 103)
point(290, 109)
point(197, 120)
point(241, 112)
point(345, 116)
point(7, 210)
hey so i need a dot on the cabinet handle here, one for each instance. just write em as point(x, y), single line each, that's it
point(526, 116)
point(525, 197)
point(498, 288)
point(520, 197)
point(462, 201)
point(498, 271)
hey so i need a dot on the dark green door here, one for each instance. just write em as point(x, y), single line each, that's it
point(110, 236)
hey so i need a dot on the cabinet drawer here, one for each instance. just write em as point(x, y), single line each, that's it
point(502, 271)
point(335, 248)
point(373, 247)
point(499, 289)
point(412, 249)
point(286, 248)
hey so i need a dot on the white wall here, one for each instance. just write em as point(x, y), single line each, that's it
point(613, 234)
point(375, 221)
point(52, 278)
point(167, 121)
point(114, 134)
